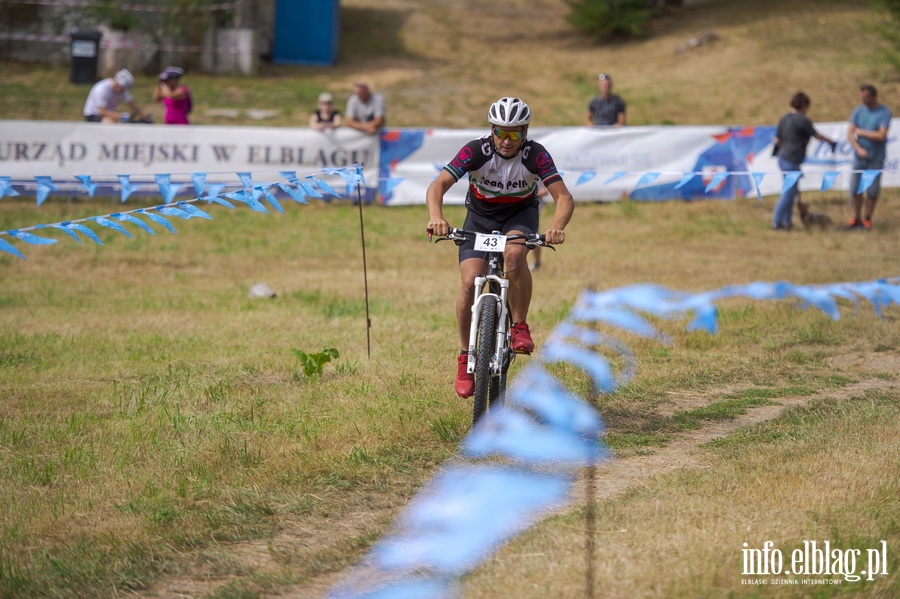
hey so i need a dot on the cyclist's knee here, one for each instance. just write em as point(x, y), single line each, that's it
point(515, 260)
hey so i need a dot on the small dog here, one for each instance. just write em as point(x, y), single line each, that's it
point(813, 219)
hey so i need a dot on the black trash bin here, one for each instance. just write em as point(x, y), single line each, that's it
point(85, 53)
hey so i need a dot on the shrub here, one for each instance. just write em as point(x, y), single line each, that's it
point(609, 18)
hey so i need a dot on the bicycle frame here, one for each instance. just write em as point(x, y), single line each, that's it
point(484, 284)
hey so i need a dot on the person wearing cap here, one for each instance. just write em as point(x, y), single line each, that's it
point(365, 110)
point(606, 108)
point(105, 96)
point(325, 117)
point(174, 96)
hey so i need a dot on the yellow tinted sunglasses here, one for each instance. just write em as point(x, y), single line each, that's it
point(510, 135)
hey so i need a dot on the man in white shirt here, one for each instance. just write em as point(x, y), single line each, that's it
point(365, 110)
point(106, 95)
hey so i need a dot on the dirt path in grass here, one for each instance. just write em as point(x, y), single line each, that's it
point(300, 546)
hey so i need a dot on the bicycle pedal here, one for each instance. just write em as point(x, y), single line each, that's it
point(525, 353)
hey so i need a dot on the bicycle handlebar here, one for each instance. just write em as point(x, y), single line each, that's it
point(531, 240)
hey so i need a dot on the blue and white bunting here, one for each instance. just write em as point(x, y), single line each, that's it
point(249, 195)
point(544, 430)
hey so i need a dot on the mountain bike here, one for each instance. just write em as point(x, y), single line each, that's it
point(489, 354)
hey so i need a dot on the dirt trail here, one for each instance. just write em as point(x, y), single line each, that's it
point(295, 545)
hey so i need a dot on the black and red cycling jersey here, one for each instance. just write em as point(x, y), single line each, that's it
point(500, 186)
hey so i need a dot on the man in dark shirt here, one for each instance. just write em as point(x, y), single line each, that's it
point(606, 109)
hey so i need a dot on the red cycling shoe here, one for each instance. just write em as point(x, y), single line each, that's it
point(520, 338)
point(465, 382)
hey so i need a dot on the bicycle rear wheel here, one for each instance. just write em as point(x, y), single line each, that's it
point(484, 352)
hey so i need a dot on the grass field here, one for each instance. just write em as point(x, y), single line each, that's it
point(160, 438)
point(156, 425)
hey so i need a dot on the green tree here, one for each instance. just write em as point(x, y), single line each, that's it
point(606, 19)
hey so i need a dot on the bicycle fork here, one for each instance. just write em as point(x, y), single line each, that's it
point(500, 342)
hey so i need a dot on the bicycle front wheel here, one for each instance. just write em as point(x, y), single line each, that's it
point(484, 353)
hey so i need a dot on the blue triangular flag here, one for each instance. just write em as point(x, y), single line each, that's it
point(647, 179)
point(86, 184)
point(133, 220)
point(158, 219)
point(685, 179)
point(757, 180)
point(44, 187)
point(828, 180)
point(105, 222)
point(616, 175)
point(85, 231)
point(167, 189)
point(323, 186)
point(272, 200)
point(716, 180)
point(127, 187)
point(309, 189)
point(9, 248)
point(193, 210)
point(790, 179)
point(865, 181)
point(6, 188)
point(31, 238)
point(295, 193)
point(585, 177)
point(199, 181)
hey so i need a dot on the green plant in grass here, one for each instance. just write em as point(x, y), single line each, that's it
point(314, 364)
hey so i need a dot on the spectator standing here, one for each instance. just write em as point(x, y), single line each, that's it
point(365, 110)
point(105, 96)
point(606, 108)
point(325, 117)
point(791, 138)
point(174, 96)
point(867, 133)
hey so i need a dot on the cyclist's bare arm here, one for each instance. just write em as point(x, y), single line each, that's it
point(434, 199)
point(565, 206)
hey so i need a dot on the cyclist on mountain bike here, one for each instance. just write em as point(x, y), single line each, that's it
point(504, 168)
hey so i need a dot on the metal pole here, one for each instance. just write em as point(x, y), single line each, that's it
point(590, 516)
point(362, 236)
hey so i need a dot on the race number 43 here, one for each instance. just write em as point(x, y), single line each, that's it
point(489, 243)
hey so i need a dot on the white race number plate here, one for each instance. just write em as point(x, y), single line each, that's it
point(489, 243)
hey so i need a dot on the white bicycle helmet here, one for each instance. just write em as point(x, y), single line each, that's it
point(124, 78)
point(509, 112)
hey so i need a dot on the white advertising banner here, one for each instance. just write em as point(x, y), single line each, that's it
point(598, 164)
point(64, 150)
point(638, 163)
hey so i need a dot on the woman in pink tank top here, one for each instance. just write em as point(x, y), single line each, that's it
point(174, 96)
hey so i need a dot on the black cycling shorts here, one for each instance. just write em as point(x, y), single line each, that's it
point(526, 220)
point(93, 118)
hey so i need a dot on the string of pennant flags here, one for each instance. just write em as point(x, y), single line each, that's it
point(518, 464)
point(867, 178)
point(249, 193)
point(44, 185)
